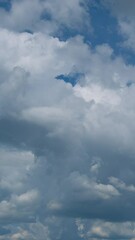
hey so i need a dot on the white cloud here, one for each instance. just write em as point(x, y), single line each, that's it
point(98, 94)
point(121, 185)
point(79, 141)
point(73, 124)
point(25, 204)
point(85, 188)
point(46, 115)
point(15, 165)
point(105, 230)
point(45, 16)
point(17, 202)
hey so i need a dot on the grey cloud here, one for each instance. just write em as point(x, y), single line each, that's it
point(66, 152)
point(121, 7)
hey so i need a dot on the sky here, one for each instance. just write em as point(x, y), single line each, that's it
point(67, 119)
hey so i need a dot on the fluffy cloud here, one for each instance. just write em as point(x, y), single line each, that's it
point(45, 16)
point(15, 196)
point(67, 152)
point(105, 230)
point(72, 131)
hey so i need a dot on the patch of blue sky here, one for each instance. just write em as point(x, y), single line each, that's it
point(46, 15)
point(105, 27)
point(5, 4)
point(64, 33)
point(128, 55)
point(129, 83)
point(71, 78)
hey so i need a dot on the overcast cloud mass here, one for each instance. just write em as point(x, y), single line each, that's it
point(67, 119)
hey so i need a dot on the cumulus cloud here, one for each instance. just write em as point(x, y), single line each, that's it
point(15, 196)
point(45, 16)
point(66, 128)
point(105, 230)
point(67, 152)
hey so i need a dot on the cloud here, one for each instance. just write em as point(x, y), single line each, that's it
point(45, 16)
point(66, 150)
point(24, 203)
point(105, 230)
point(15, 195)
point(67, 127)
point(123, 11)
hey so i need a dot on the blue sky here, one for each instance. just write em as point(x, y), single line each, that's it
point(5, 4)
point(67, 155)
